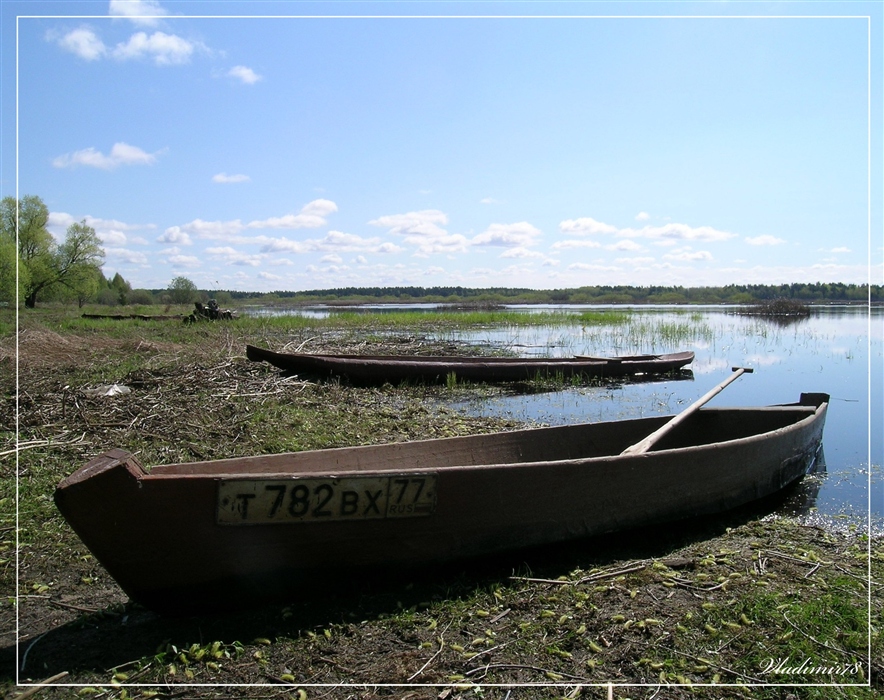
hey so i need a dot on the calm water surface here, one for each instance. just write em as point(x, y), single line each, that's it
point(837, 350)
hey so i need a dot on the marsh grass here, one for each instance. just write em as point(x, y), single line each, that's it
point(652, 332)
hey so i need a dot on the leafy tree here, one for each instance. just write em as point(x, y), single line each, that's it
point(181, 291)
point(141, 297)
point(65, 270)
point(75, 265)
point(92, 286)
point(28, 218)
point(107, 297)
point(8, 261)
point(122, 288)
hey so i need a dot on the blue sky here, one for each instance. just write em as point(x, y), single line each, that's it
point(475, 144)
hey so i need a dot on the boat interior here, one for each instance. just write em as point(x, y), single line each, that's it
point(539, 445)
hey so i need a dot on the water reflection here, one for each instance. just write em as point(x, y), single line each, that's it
point(838, 349)
point(802, 501)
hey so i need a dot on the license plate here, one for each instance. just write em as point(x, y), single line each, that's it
point(260, 501)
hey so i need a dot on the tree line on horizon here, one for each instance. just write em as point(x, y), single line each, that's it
point(71, 272)
point(817, 292)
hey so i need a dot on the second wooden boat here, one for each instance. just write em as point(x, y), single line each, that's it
point(378, 369)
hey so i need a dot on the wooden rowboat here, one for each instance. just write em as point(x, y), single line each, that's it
point(378, 369)
point(236, 532)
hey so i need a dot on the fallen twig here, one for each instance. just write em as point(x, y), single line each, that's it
point(774, 553)
point(73, 607)
point(524, 667)
point(499, 616)
point(823, 644)
point(433, 657)
point(586, 579)
point(40, 686)
point(719, 666)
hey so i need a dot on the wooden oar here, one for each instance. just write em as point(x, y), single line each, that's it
point(646, 444)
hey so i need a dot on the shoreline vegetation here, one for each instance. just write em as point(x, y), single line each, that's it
point(730, 294)
point(744, 605)
point(119, 293)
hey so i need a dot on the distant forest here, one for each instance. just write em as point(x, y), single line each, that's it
point(731, 294)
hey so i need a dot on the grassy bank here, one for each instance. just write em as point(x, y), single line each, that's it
point(739, 602)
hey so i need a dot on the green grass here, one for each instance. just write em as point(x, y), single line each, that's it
point(70, 319)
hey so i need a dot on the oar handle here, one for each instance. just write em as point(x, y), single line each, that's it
point(646, 444)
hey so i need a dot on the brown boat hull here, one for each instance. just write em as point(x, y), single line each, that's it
point(378, 369)
point(161, 535)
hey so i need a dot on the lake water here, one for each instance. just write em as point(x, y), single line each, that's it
point(837, 350)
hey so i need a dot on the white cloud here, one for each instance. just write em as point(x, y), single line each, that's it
point(572, 243)
point(244, 74)
point(319, 207)
point(184, 260)
point(416, 223)
point(592, 268)
point(634, 261)
point(678, 232)
point(328, 269)
point(121, 154)
point(286, 245)
point(423, 229)
point(509, 235)
point(289, 221)
point(312, 215)
point(132, 257)
point(840, 249)
point(521, 252)
point(348, 242)
point(585, 226)
point(224, 178)
point(668, 234)
point(82, 42)
point(688, 255)
point(642, 216)
point(211, 230)
point(445, 245)
point(333, 242)
point(112, 238)
point(113, 233)
point(174, 234)
point(164, 49)
point(144, 12)
point(103, 224)
point(624, 245)
point(766, 239)
point(231, 256)
point(489, 200)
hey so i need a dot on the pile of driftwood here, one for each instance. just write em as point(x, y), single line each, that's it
point(160, 409)
point(209, 312)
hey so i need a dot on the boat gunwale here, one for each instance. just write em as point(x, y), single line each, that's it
point(813, 413)
point(475, 359)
